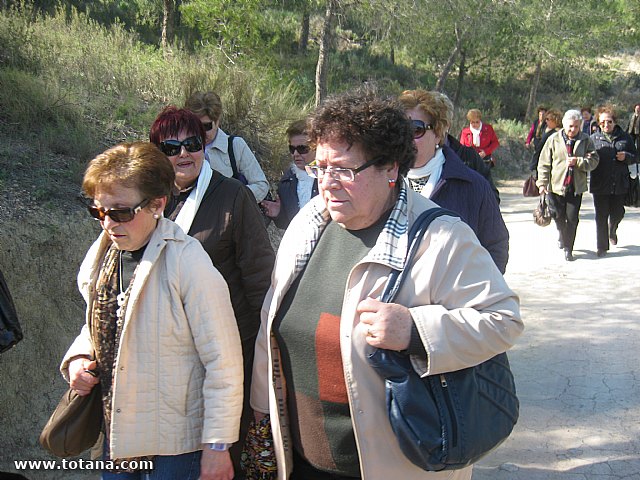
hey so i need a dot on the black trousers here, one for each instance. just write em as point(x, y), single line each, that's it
point(566, 212)
point(609, 214)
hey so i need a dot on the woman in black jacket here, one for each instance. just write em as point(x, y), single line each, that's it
point(553, 123)
point(610, 180)
point(295, 188)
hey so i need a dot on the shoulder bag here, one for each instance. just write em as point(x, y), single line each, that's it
point(10, 331)
point(75, 424)
point(451, 420)
point(529, 188)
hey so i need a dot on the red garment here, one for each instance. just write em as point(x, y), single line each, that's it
point(488, 139)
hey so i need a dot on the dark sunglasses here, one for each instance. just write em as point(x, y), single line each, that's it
point(302, 149)
point(207, 126)
point(120, 215)
point(173, 147)
point(420, 128)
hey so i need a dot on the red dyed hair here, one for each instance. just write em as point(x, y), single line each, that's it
point(173, 120)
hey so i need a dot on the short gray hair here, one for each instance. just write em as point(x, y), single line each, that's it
point(571, 116)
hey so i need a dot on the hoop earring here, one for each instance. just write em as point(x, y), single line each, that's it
point(392, 183)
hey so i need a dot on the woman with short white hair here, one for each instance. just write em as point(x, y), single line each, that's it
point(565, 159)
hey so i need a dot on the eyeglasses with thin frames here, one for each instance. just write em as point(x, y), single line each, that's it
point(341, 174)
point(120, 215)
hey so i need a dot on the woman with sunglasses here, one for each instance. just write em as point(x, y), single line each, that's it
point(609, 181)
point(160, 337)
point(208, 107)
point(439, 174)
point(321, 317)
point(224, 217)
point(296, 187)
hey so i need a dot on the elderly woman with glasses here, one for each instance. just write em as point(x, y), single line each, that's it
point(296, 187)
point(439, 174)
point(480, 136)
point(322, 317)
point(222, 150)
point(609, 181)
point(566, 158)
point(160, 338)
point(224, 217)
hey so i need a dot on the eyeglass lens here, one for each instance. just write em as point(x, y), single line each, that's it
point(302, 149)
point(173, 147)
point(207, 126)
point(120, 215)
point(420, 128)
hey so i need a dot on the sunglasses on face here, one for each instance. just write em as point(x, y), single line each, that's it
point(173, 147)
point(207, 126)
point(120, 215)
point(420, 128)
point(302, 149)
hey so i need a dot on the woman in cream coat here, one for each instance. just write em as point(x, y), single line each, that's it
point(160, 332)
point(321, 317)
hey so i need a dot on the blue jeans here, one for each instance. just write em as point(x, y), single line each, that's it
point(165, 467)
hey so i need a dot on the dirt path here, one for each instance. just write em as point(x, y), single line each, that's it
point(577, 363)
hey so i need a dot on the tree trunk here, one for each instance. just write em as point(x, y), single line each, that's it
point(392, 55)
point(325, 46)
point(168, 8)
point(304, 32)
point(462, 70)
point(447, 68)
point(534, 89)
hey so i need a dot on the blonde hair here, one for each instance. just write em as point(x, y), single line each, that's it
point(474, 115)
point(435, 104)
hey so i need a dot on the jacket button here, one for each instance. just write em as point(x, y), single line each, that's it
point(118, 410)
point(121, 368)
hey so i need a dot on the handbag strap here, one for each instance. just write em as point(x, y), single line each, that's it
point(232, 157)
point(416, 232)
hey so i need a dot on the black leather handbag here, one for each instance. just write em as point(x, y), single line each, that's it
point(632, 198)
point(451, 420)
point(10, 331)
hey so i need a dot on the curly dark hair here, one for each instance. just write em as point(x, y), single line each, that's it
point(377, 125)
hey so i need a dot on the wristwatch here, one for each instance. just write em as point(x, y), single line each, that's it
point(219, 447)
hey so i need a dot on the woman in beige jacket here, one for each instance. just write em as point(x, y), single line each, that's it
point(160, 337)
point(321, 317)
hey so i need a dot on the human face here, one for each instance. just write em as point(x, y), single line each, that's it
point(209, 134)
point(134, 234)
point(586, 115)
point(606, 122)
point(187, 165)
point(551, 123)
point(541, 115)
point(301, 159)
point(475, 123)
point(637, 109)
point(426, 144)
point(358, 204)
point(572, 128)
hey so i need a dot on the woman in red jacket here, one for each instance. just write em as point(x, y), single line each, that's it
point(480, 136)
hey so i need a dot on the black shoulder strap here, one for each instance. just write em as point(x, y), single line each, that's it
point(232, 157)
point(416, 232)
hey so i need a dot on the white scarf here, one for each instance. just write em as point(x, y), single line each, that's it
point(432, 169)
point(192, 203)
point(476, 135)
point(305, 185)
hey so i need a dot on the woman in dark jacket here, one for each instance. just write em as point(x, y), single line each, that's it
point(223, 215)
point(610, 180)
point(553, 123)
point(439, 174)
point(296, 187)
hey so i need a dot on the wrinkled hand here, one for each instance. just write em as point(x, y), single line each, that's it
point(385, 325)
point(272, 209)
point(542, 190)
point(79, 380)
point(215, 465)
point(482, 153)
point(571, 161)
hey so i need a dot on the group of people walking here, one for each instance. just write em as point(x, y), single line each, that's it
point(582, 152)
point(196, 332)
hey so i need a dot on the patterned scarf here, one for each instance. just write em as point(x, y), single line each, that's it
point(567, 184)
point(106, 329)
